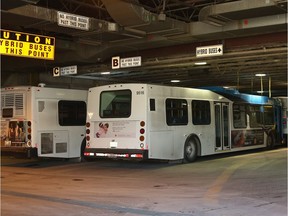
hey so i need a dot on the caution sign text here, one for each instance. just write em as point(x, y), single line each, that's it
point(26, 45)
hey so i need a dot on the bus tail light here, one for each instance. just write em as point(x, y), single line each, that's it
point(136, 156)
point(142, 123)
point(29, 130)
point(87, 134)
point(142, 132)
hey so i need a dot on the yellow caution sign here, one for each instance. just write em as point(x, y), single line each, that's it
point(26, 45)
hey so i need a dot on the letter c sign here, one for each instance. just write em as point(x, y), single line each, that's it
point(56, 71)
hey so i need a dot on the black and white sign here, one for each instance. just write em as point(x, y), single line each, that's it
point(118, 62)
point(115, 62)
point(207, 51)
point(62, 71)
point(72, 21)
point(56, 71)
point(68, 70)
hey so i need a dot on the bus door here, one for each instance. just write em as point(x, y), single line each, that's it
point(221, 126)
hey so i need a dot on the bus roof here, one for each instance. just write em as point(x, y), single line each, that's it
point(235, 95)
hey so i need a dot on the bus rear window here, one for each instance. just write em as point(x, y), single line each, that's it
point(115, 104)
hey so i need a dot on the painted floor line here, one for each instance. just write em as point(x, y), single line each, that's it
point(93, 204)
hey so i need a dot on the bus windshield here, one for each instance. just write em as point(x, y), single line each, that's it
point(115, 104)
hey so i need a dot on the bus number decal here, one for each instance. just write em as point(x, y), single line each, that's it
point(139, 92)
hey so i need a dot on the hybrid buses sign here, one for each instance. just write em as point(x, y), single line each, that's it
point(26, 45)
point(207, 51)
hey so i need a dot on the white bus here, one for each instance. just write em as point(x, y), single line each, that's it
point(160, 122)
point(44, 122)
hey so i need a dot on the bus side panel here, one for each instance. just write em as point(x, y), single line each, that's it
point(162, 147)
point(65, 140)
point(157, 124)
point(160, 139)
point(53, 143)
point(76, 136)
point(50, 136)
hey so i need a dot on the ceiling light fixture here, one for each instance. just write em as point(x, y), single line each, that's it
point(260, 75)
point(31, 1)
point(200, 63)
point(105, 73)
point(175, 81)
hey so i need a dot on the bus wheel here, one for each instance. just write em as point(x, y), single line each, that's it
point(270, 141)
point(190, 150)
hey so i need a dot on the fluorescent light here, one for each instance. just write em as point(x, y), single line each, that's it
point(200, 63)
point(175, 81)
point(260, 75)
point(260, 92)
point(105, 73)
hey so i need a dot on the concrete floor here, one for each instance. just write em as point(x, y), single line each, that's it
point(251, 184)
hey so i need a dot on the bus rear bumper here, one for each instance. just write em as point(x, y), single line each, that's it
point(116, 153)
point(17, 151)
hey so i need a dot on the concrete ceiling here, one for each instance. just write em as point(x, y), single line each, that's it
point(165, 33)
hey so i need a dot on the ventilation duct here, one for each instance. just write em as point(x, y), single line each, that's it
point(126, 13)
point(220, 14)
point(135, 19)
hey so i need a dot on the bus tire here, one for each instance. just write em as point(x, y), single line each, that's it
point(270, 141)
point(190, 150)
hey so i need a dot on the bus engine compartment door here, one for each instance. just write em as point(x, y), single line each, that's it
point(53, 143)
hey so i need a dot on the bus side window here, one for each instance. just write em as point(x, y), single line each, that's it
point(71, 113)
point(239, 116)
point(201, 114)
point(255, 116)
point(176, 112)
point(268, 115)
point(152, 104)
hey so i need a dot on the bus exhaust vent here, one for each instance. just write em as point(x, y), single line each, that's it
point(46, 143)
point(15, 101)
point(61, 147)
